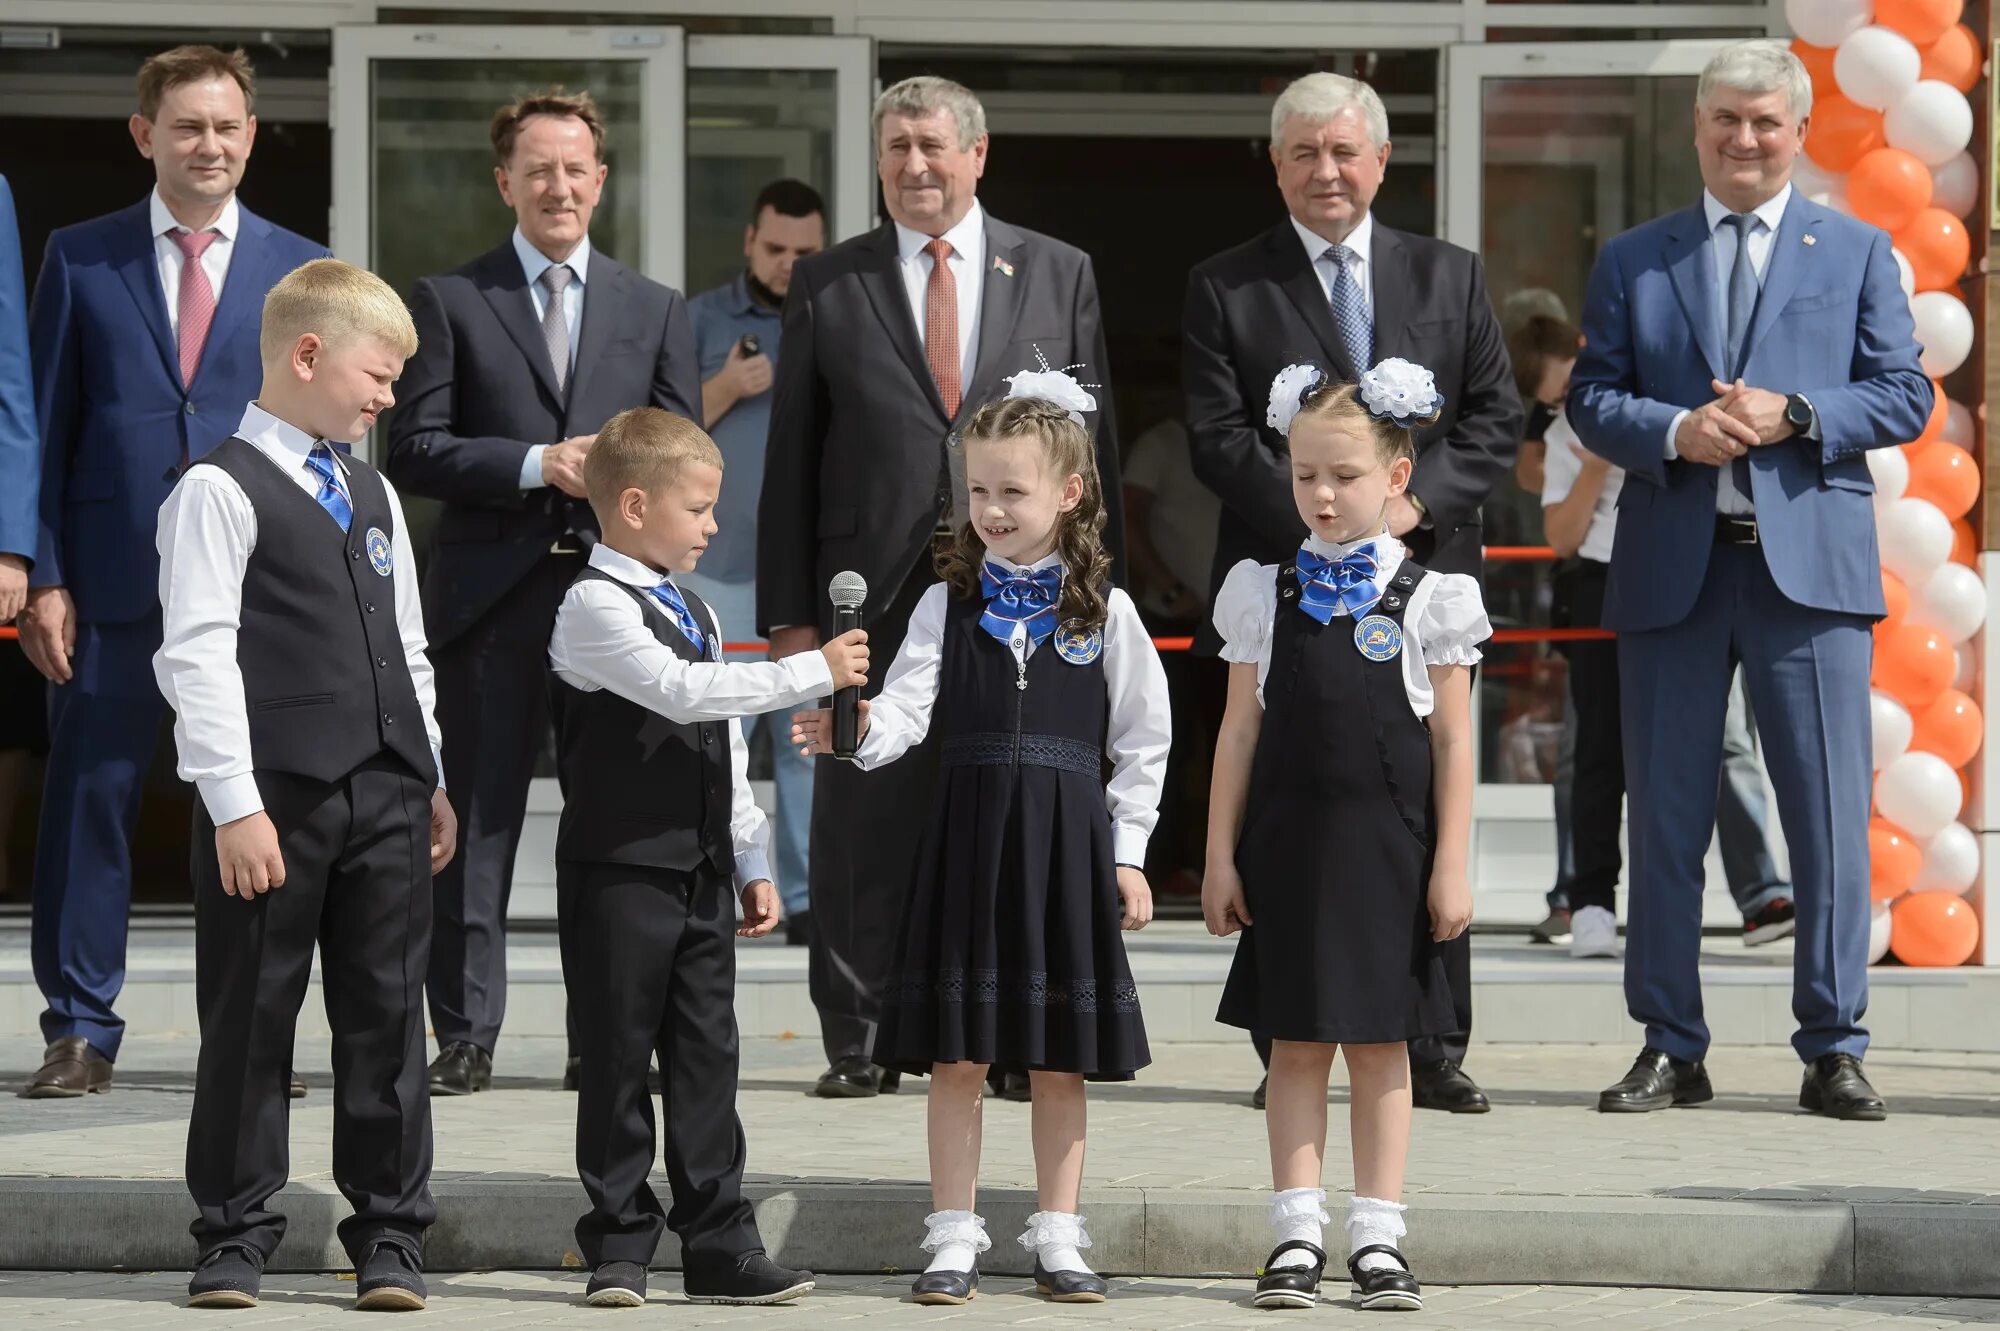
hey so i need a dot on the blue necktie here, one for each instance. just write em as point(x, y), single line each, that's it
point(1350, 309)
point(1347, 583)
point(1742, 307)
point(332, 495)
point(670, 596)
point(1019, 598)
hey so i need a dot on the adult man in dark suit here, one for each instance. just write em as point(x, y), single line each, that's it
point(522, 354)
point(20, 440)
point(144, 337)
point(891, 341)
point(1740, 358)
point(1331, 286)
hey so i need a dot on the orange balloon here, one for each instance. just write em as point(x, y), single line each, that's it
point(1818, 61)
point(1964, 544)
point(1889, 188)
point(1893, 860)
point(1933, 929)
point(1898, 598)
point(1954, 58)
point(1951, 727)
point(1843, 132)
point(1946, 475)
point(1922, 21)
point(1964, 787)
point(1913, 665)
point(1937, 246)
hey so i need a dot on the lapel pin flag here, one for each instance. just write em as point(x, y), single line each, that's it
point(1006, 269)
point(1810, 240)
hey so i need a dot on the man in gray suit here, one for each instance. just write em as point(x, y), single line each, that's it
point(891, 341)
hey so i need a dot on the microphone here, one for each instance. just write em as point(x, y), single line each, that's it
point(847, 591)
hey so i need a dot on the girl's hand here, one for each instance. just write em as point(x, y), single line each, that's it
point(1450, 904)
point(1222, 905)
point(1135, 898)
point(813, 731)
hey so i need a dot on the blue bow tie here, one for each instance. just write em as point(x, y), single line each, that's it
point(670, 596)
point(1347, 583)
point(1019, 598)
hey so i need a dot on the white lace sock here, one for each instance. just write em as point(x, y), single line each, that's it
point(956, 1238)
point(1057, 1238)
point(1370, 1220)
point(1297, 1213)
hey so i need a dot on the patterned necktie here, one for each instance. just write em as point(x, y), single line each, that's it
point(332, 493)
point(195, 306)
point(941, 324)
point(555, 323)
point(1743, 289)
point(670, 596)
point(1014, 598)
point(1350, 309)
point(1346, 583)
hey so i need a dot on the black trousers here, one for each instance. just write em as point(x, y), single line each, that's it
point(1597, 801)
point(493, 707)
point(357, 883)
point(649, 959)
point(864, 846)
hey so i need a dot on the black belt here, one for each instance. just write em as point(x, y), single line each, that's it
point(1735, 531)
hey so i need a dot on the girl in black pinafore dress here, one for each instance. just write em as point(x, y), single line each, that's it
point(1340, 815)
point(1034, 675)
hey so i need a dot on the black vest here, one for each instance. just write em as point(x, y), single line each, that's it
point(638, 788)
point(325, 680)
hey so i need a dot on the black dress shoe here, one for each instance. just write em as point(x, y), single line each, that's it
point(461, 1069)
point(1290, 1286)
point(616, 1285)
point(227, 1277)
point(945, 1287)
point(799, 929)
point(1261, 1094)
point(1835, 1086)
point(390, 1279)
point(754, 1278)
point(1385, 1287)
point(1010, 1085)
point(1444, 1085)
point(852, 1078)
point(1657, 1080)
point(1070, 1286)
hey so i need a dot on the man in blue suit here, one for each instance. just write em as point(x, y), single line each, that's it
point(20, 451)
point(144, 333)
point(1741, 356)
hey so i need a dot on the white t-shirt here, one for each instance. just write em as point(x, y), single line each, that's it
point(1561, 465)
point(1185, 513)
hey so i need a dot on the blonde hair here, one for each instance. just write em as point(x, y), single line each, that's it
point(338, 302)
point(643, 448)
point(1340, 405)
point(1066, 451)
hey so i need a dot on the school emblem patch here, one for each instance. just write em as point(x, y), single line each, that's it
point(379, 557)
point(1078, 644)
point(1379, 638)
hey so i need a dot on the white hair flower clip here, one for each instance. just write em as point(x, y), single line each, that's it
point(1288, 394)
point(1401, 391)
point(1053, 385)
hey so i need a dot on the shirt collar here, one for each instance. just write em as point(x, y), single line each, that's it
point(1051, 560)
point(164, 221)
point(968, 238)
point(625, 568)
point(1361, 240)
point(1770, 212)
point(1388, 550)
point(534, 263)
point(741, 303)
point(279, 440)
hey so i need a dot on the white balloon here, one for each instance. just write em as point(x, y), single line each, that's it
point(1951, 861)
point(1809, 178)
point(1827, 22)
point(1876, 66)
point(1944, 328)
point(1952, 600)
point(1905, 274)
point(1932, 120)
point(1878, 933)
point(1955, 186)
point(1958, 425)
point(1833, 196)
point(1892, 727)
point(1967, 676)
point(1915, 537)
point(1919, 793)
point(1891, 470)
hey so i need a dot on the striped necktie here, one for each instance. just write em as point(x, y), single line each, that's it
point(670, 596)
point(332, 494)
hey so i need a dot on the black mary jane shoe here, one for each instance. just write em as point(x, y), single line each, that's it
point(1385, 1289)
point(1290, 1286)
point(1070, 1286)
point(945, 1287)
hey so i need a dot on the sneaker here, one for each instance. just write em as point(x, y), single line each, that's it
point(617, 1285)
point(389, 1279)
point(1594, 933)
point(754, 1278)
point(229, 1277)
point(1555, 929)
point(1775, 921)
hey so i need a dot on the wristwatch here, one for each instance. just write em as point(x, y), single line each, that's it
point(1798, 413)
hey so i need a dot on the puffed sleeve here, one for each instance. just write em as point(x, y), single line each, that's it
point(1453, 622)
point(1244, 609)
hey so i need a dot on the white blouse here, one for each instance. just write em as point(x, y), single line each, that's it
point(1136, 738)
point(1443, 625)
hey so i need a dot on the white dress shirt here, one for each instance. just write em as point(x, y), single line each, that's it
point(1136, 738)
point(168, 255)
point(1443, 624)
point(602, 641)
point(1362, 242)
point(207, 532)
point(1560, 468)
point(533, 264)
point(967, 265)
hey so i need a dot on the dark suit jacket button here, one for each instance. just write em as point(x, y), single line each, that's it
point(354, 554)
point(382, 661)
point(388, 720)
point(190, 408)
point(370, 607)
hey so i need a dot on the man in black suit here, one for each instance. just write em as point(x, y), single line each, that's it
point(1331, 286)
point(891, 341)
point(522, 354)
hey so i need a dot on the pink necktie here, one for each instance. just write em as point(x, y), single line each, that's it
point(197, 299)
